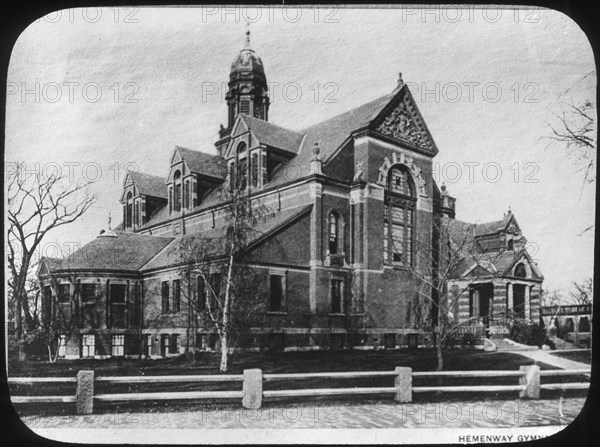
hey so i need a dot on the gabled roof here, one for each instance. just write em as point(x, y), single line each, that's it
point(148, 185)
point(127, 252)
point(273, 135)
point(495, 226)
point(203, 163)
point(211, 241)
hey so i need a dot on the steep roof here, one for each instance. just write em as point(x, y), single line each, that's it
point(493, 227)
point(203, 163)
point(273, 135)
point(330, 134)
point(149, 185)
point(127, 252)
point(211, 241)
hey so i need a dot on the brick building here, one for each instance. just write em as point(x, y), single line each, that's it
point(352, 209)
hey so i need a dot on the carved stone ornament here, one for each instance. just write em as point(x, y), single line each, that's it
point(398, 124)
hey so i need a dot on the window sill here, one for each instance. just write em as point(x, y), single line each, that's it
point(338, 314)
point(275, 312)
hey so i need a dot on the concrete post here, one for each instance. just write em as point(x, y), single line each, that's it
point(531, 381)
point(252, 388)
point(85, 392)
point(403, 384)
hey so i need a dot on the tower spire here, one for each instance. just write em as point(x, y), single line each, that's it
point(247, 46)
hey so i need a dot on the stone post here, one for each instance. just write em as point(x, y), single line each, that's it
point(252, 388)
point(403, 384)
point(531, 381)
point(85, 392)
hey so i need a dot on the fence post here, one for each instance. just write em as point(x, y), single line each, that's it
point(531, 381)
point(85, 392)
point(252, 389)
point(403, 384)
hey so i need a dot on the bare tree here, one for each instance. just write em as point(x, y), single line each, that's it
point(228, 291)
point(582, 291)
point(36, 205)
point(575, 128)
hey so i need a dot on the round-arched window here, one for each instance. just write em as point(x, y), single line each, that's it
point(520, 271)
point(399, 217)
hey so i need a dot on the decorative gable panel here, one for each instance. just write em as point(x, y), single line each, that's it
point(401, 121)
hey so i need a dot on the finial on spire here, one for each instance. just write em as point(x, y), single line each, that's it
point(509, 211)
point(400, 80)
point(109, 220)
point(247, 35)
point(443, 187)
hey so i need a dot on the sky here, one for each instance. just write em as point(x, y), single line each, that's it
point(99, 91)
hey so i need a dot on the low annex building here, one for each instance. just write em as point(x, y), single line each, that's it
point(352, 209)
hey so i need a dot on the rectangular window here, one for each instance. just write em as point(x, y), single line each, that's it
point(201, 295)
point(165, 297)
point(118, 305)
point(242, 174)
point(165, 343)
point(254, 170)
point(276, 293)
point(186, 195)
point(170, 200)
point(176, 295)
point(88, 347)
point(177, 197)
point(174, 348)
point(63, 293)
point(117, 348)
point(88, 293)
point(337, 291)
point(62, 346)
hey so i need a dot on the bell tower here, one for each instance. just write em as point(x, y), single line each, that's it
point(248, 92)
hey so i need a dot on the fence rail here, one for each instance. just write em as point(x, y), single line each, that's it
point(252, 393)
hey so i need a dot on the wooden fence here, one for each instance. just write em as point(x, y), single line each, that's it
point(252, 394)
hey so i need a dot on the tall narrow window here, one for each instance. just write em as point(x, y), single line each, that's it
point(118, 305)
point(177, 195)
point(201, 295)
point(176, 295)
point(186, 195)
point(254, 170)
point(232, 176)
point(129, 213)
point(174, 348)
point(215, 286)
point(399, 214)
point(276, 293)
point(88, 302)
point(334, 232)
point(165, 297)
point(138, 216)
point(337, 293)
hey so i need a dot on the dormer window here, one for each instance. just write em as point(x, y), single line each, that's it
point(177, 191)
point(511, 244)
point(129, 210)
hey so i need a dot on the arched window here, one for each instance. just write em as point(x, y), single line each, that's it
point(520, 271)
point(129, 212)
point(511, 245)
point(399, 217)
point(177, 195)
point(334, 233)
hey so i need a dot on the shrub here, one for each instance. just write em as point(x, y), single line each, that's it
point(528, 333)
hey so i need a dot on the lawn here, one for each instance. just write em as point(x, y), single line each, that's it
point(296, 362)
point(577, 356)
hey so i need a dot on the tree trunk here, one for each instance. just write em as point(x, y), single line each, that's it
point(440, 354)
point(226, 306)
point(18, 319)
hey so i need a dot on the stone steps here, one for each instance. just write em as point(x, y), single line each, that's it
point(504, 344)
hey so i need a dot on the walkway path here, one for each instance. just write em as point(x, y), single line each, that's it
point(543, 356)
point(476, 413)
